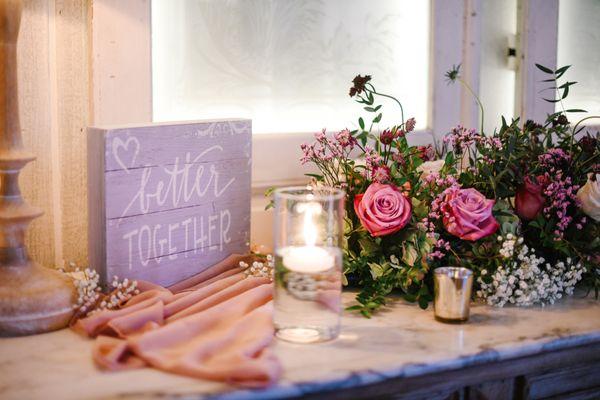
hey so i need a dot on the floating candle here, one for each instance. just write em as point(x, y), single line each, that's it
point(307, 259)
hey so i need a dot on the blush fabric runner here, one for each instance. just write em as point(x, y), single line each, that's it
point(216, 325)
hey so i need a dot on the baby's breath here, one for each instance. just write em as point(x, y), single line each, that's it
point(90, 297)
point(526, 278)
point(259, 269)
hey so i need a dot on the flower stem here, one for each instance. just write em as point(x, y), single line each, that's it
point(468, 87)
point(373, 91)
point(584, 119)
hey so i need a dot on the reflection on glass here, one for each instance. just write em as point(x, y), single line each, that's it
point(497, 81)
point(287, 64)
point(579, 45)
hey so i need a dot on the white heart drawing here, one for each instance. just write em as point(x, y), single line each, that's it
point(118, 143)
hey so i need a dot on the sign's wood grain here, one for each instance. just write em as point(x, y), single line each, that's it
point(167, 201)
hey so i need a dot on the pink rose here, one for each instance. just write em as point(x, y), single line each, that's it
point(382, 209)
point(529, 200)
point(468, 214)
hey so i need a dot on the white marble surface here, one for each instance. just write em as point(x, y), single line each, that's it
point(402, 341)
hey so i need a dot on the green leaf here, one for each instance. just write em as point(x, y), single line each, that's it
point(361, 123)
point(410, 297)
point(559, 72)
point(410, 255)
point(270, 191)
point(566, 88)
point(449, 159)
point(377, 118)
point(575, 110)
point(544, 69)
point(376, 270)
point(368, 246)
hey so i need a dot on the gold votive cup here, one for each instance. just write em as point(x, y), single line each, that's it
point(453, 287)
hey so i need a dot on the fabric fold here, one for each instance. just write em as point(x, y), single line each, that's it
point(216, 325)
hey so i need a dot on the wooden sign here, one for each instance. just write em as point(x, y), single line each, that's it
point(166, 201)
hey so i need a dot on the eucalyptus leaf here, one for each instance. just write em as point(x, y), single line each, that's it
point(544, 69)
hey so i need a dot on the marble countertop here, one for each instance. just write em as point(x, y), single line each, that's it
point(402, 341)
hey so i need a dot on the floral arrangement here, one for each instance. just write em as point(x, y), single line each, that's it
point(520, 207)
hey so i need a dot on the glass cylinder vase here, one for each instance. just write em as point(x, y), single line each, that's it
point(309, 227)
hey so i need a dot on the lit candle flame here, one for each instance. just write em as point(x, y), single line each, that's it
point(309, 229)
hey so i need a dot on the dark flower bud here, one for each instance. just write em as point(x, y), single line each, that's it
point(562, 119)
point(359, 83)
point(530, 125)
point(387, 136)
point(588, 144)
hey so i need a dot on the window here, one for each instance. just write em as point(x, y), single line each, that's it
point(287, 64)
point(497, 76)
point(579, 45)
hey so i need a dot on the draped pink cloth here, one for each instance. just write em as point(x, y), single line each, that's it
point(216, 325)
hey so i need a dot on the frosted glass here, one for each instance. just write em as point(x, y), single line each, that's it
point(497, 81)
point(579, 45)
point(287, 64)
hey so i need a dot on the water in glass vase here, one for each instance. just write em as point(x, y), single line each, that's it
point(307, 295)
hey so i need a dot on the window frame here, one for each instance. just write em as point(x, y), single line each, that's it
point(122, 81)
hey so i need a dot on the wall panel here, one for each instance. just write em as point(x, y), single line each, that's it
point(53, 57)
point(73, 87)
point(34, 103)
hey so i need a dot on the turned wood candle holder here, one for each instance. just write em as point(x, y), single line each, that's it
point(33, 299)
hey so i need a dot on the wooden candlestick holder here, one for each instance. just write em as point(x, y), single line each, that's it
point(33, 299)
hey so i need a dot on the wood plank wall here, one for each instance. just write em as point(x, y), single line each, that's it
point(54, 82)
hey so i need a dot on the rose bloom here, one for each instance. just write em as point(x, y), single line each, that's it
point(468, 214)
point(529, 200)
point(430, 167)
point(589, 195)
point(382, 209)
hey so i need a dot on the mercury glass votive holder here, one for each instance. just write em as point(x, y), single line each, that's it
point(452, 286)
point(308, 263)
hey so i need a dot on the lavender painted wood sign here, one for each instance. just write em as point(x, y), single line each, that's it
point(167, 201)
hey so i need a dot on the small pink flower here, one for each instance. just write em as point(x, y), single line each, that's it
point(399, 158)
point(468, 214)
point(382, 209)
point(344, 138)
point(426, 153)
point(381, 174)
point(410, 124)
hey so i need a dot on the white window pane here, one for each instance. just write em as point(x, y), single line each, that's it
point(287, 64)
point(497, 80)
point(579, 45)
